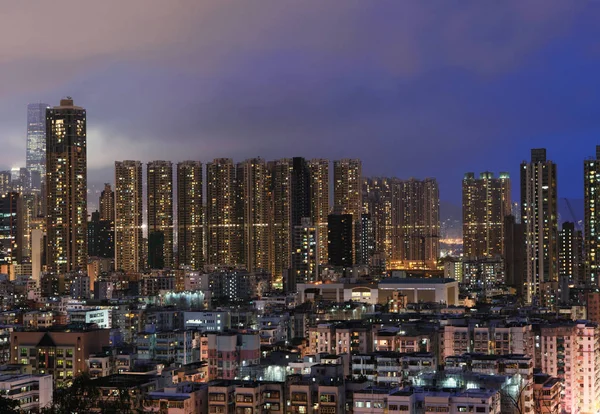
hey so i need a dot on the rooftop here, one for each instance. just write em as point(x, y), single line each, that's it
point(416, 280)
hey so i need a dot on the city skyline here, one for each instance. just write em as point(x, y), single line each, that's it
point(391, 94)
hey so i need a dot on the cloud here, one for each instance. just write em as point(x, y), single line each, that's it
point(391, 82)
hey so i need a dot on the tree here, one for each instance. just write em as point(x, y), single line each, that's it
point(80, 397)
point(9, 406)
point(516, 396)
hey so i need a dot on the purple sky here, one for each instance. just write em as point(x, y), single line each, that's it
point(413, 88)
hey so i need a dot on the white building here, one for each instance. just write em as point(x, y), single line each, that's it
point(418, 401)
point(490, 339)
point(101, 317)
point(33, 392)
point(213, 321)
point(423, 290)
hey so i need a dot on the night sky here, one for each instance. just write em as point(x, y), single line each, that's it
point(413, 88)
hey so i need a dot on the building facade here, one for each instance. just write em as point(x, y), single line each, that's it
point(540, 219)
point(36, 144)
point(591, 185)
point(224, 242)
point(66, 186)
point(253, 184)
point(486, 201)
point(128, 216)
point(160, 214)
point(190, 215)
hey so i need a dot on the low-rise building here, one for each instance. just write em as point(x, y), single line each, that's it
point(33, 392)
point(60, 351)
point(183, 398)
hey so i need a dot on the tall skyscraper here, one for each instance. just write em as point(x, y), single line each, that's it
point(540, 221)
point(36, 144)
point(377, 202)
point(28, 213)
point(160, 214)
point(486, 201)
point(347, 194)
point(347, 187)
point(417, 221)
point(319, 199)
point(281, 192)
point(514, 254)
point(305, 256)
point(222, 214)
point(5, 182)
point(129, 244)
point(253, 184)
point(11, 233)
point(301, 205)
point(570, 254)
point(367, 239)
point(591, 185)
point(107, 204)
point(66, 181)
point(101, 237)
point(190, 215)
point(340, 228)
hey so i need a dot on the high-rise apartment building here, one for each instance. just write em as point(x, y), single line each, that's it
point(514, 254)
point(281, 193)
point(11, 233)
point(570, 254)
point(29, 212)
point(485, 202)
point(569, 351)
point(305, 256)
point(319, 201)
point(129, 243)
point(347, 194)
point(5, 182)
point(367, 239)
point(301, 203)
point(190, 215)
point(36, 144)
point(66, 181)
point(540, 219)
point(591, 184)
point(417, 222)
point(107, 204)
point(377, 202)
point(347, 187)
point(224, 241)
point(160, 214)
point(253, 183)
point(340, 242)
point(101, 237)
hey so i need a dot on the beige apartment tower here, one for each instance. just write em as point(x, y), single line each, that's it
point(486, 202)
point(190, 215)
point(416, 221)
point(253, 183)
point(66, 191)
point(347, 195)
point(107, 204)
point(539, 216)
point(160, 214)
point(281, 193)
point(129, 242)
point(377, 202)
point(222, 214)
point(319, 199)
